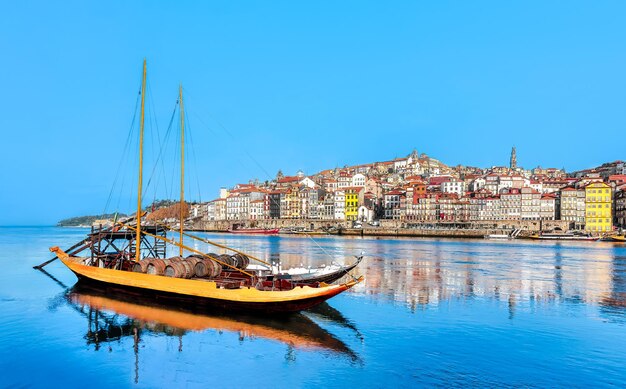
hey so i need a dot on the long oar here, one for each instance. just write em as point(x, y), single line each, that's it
point(69, 251)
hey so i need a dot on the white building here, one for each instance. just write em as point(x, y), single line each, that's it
point(340, 205)
point(358, 180)
point(453, 186)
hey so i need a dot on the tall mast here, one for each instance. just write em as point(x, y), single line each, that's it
point(182, 164)
point(139, 185)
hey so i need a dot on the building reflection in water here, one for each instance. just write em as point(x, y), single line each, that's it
point(427, 272)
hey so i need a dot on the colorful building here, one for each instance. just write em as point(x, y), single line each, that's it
point(598, 211)
point(352, 202)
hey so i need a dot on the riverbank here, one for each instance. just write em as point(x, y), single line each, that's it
point(402, 232)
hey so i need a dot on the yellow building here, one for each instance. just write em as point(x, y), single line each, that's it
point(598, 207)
point(293, 204)
point(352, 202)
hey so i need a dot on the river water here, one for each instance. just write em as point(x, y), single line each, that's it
point(429, 313)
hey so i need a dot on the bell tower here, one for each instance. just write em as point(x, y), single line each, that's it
point(513, 163)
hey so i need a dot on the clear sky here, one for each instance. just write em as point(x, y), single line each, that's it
point(302, 85)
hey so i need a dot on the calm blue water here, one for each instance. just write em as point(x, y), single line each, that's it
point(430, 313)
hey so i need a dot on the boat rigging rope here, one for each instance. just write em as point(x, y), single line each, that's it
point(124, 152)
point(167, 135)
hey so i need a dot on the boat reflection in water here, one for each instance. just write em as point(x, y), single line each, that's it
point(113, 316)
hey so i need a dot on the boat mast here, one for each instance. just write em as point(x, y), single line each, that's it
point(143, 97)
point(182, 165)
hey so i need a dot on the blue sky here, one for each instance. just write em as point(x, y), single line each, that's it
point(302, 85)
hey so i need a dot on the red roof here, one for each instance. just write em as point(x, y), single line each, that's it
point(288, 179)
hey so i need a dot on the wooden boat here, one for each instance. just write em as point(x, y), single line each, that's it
point(266, 231)
point(227, 285)
point(498, 237)
point(613, 238)
point(563, 236)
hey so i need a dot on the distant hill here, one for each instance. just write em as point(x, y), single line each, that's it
point(89, 219)
point(86, 220)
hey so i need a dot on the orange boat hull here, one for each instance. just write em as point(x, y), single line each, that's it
point(204, 293)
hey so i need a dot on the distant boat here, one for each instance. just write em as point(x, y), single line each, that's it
point(266, 231)
point(498, 237)
point(613, 238)
point(563, 236)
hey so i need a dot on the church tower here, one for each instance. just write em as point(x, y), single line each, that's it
point(513, 164)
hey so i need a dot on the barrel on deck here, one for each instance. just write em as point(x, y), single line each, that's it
point(240, 261)
point(157, 266)
point(142, 266)
point(207, 268)
point(179, 269)
point(227, 259)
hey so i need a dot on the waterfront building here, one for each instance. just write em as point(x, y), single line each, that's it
point(352, 202)
point(598, 207)
point(292, 206)
point(340, 204)
point(531, 204)
point(198, 211)
point(572, 207)
point(328, 206)
point(274, 199)
point(620, 206)
point(233, 207)
point(511, 203)
point(238, 201)
point(547, 208)
point(492, 210)
point(452, 209)
point(426, 209)
point(312, 197)
point(257, 209)
point(210, 210)
point(391, 203)
point(220, 209)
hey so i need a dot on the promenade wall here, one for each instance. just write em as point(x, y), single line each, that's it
point(392, 227)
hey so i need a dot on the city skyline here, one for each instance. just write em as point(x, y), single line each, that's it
point(303, 87)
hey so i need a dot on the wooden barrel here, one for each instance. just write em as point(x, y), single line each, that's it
point(240, 261)
point(227, 259)
point(192, 260)
point(179, 269)
point(157, 266)
point(207, 268)
point(142, 266)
